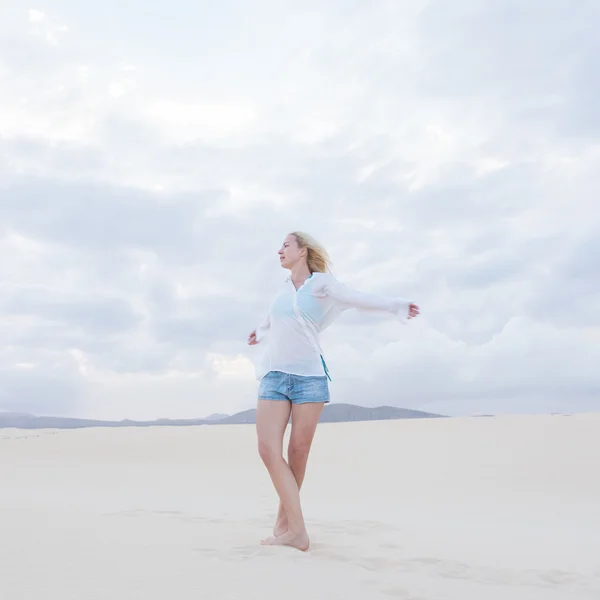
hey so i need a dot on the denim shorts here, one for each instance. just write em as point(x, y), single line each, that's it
point(297, 389)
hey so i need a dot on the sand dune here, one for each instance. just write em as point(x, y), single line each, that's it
point(444, 509)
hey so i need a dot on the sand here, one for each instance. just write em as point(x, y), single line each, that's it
point(475, 508)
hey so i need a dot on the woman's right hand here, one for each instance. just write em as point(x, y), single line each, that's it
point(252, 341)
point(413, 311)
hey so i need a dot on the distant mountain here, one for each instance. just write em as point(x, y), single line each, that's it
point(332, 413)
point(244, 417)
point(215, 417)
point(342, 413)
point(33, 422)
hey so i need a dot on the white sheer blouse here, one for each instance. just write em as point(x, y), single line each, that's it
point(290, 332)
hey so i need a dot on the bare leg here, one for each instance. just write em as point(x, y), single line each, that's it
point(305, 418)
point(271, 420)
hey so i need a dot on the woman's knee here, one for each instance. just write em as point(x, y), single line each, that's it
point(298, 451)
point(268, 453)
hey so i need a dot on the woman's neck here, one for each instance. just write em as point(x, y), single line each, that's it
point(300, 274)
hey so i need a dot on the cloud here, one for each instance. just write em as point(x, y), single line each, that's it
point(444, 152)
point(35, 16)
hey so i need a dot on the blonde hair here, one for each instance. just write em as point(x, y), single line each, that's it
point(317, 257)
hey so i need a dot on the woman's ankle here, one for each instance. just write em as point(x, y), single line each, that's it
point(296, 529)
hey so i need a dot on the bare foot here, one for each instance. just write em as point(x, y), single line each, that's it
point(280, 528)
point(289, 538)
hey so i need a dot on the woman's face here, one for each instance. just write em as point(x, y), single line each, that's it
point(289, 253)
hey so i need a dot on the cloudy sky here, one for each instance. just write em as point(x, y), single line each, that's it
point(153, 156)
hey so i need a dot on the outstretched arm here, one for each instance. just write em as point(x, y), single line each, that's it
point(352, 298)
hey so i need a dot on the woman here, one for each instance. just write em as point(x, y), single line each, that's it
point(294, 375)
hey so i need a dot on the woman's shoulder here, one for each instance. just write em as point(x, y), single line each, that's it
point(320, 282)
point(319, 277)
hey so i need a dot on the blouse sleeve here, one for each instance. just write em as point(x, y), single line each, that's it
point(352, 298)
point(263, 328)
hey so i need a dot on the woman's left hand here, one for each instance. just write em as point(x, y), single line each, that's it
point(413, 311)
